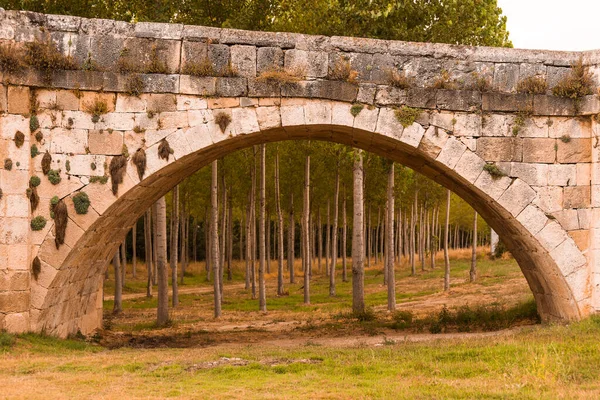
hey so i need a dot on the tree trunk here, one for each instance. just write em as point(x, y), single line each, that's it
point(248, 239)
point(262, 298)
point(306, 227)
point(389, 241)
point(369, 237)
point(123, 260)
point(253, 224)
point(319, 238)
point(334, 237)
point(358, 272)
point(328, 242)
point(279, 230)
point(229, 237)
point(174, 243)
point(154, 246)
point(118, 301)
point(344, 238)
point(413, 216)
point(473, 271)
point(134, 250)
point(195, 241)
point(378, 237)
point(268, 239)
point(446, 236)
point(148, 250)
point(214, 238)
point(291, 240)
point(162, 315)
point(223, 245)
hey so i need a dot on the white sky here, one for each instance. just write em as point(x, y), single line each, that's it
point(553, 24)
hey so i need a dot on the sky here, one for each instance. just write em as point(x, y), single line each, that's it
point(553, 24)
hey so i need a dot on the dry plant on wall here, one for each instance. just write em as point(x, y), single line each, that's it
point(36, 267)
point(118, 166)
point(342, 71)
point(61, 217)
point(223, 120)
point(281, 76)
point(139, 160)
point(164, 149)
point(19, 139)
point(46, 162)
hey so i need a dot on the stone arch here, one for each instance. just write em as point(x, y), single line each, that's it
point(67, 298)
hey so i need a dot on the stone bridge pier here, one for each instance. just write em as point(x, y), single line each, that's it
point(82, 101)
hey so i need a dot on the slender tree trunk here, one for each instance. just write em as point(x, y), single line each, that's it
point(229, 237)
point(162, 315)
point(369, 237)
point(291, 240)
point(268, 244)
point(214, 238)
point(280, 230)
point(195, 240)
point(154, 247)
point(306, 228)
point(319, 238)
point(358, 272)
point(446, 236)
point(328, 242)
point(174, 243)
point(473, 271)
point(248, 239)
point(262, 297)
point(223, 245)
point(134, 250)
point(253, 222)
point(118, 301)
point(389, 242)
point(413, 229)
point(344, 238)
point(123, 261)
point(334, 237)
point(378, 237)
point(207, 255)
point(148, 250)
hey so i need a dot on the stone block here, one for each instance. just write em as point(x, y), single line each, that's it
point(313, 64)
point(571, 128)
point(585, 218)
point(231, 87)
point(268, 58)
point(268, 117)
point(202, 86)
point(532, 174)
point(14, 302)
point(500, 149)
point(366, 93)
point(421, 97)
point(158, 103)
point(89, 100)
point(68, 141)
point(17, 322)
point(568, 219)
point(19, 100)
point(458, 100)
point(562, 175)
point(105, 143)
point(223, 102)
point(365, 120)
point(549, 198)
point(574, 151)
point(584, 174)
point(517, 197)
point(551, 235)
point(470, 166)
point(67, 100)
point(433, 141)
point(389, 95)
point(506, 102)
point(533, 219)
point(506, 77)
point(577, 197)
point(451, 152)
point(186, 103)
point(552, 105)
point(581, 238)
point(493, 187)
point(243, 60)
point(3, 99)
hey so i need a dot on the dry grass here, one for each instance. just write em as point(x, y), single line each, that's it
point(281, 76)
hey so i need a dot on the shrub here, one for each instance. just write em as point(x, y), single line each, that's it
point(54, 176)
point(481, 83)
point(402, 320)
point(397, 79)
point(97, 108)
point(281, 76)
point(34, 123)
point(565, 138)
point(201, 68)
point(494, 171)
point(38, 223)
point(533, 85)
point(35, 181)
point(576, 84)
point(134, 85)
point(44, 55)
point(34, 150)
point(342, 71)
point(99, 179)
point(10, 62)
point(407, 115)
point(356, 109)
point(445, 82)
point(81, 202)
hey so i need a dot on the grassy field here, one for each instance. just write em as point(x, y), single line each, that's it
point(437, 345)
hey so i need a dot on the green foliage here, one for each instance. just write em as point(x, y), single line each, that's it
point(44, 56)
point(134, 85)
point(533, 85)
point(34, 150)
point(576, 84)
point(494, 171)
point(402, 320)
point(54, 176)
point(38, 223)
point(444, 81)
point(356, 109)
point(6, 340)
point(407, 115)
point(520, 120)
point(34, 123)
point(99, 179)
point(82, 202)
point(34, 181)
point(565, 138)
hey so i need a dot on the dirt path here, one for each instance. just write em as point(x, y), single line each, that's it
point(189, 290)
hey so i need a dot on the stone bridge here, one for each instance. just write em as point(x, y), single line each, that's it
point(84, 101)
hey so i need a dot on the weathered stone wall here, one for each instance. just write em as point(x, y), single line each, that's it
point(546, 147)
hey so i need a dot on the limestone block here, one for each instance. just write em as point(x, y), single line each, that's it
point(551, 235)
point(549, 198)
point(130, 104)
point(198, 137)
point(292, 115)
point(66, 100)
point(105, 143)
point(160, 102)
point(46, 190)
point(21, 157)
point(493, 187)
point(15, 205)
point(451, 152)
point(18, 256)
point(77, 120)
point(268, 117)
point(362, 63)
point(38, 296)
point(199, 117)
point(10, 124)
point(390, 95)
point(532, 174)
point(506, 102)
point(68, 141)
point(562, 175)
point(581, 238)
point(219, 55)
point(577, 197)
point(14, 182)
point(469, 166)
point(82, 164)
point(506, 77)
point(575, 151)
point(366, 93)
point(49, 119)
point(553, 105)
point(533, 219)
point(533, 127)
point(574, 128)
point(580, 282)
point(585, 218)
point(568, 219)
point(197, 85)
point(50, 255)
point(313, 63)
point(45, 98)
point(412, 134)
point(14, 302)
point(388, 124)
point(243, 60)
point(216, 134)
point(584, 172)
point(186, 103)
point(268, 58)
point(117, 121)
point(83, 221)
point(14, 280)
point(500, 149)
point(341, 114)
point(223, 102)
point(317, 113)
point(173, 119)
point(467, 125)
point(88, 100)
point(458, 100)
point(568, 257)
point(595, 195)
point(433, 141)
point(231, 87)
point(178, 143)
point(18, 100)
point(539, 150)
point(17, 322)
point(367, 119)
point(3, 95)
point(517, 197)
point(244, 120)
